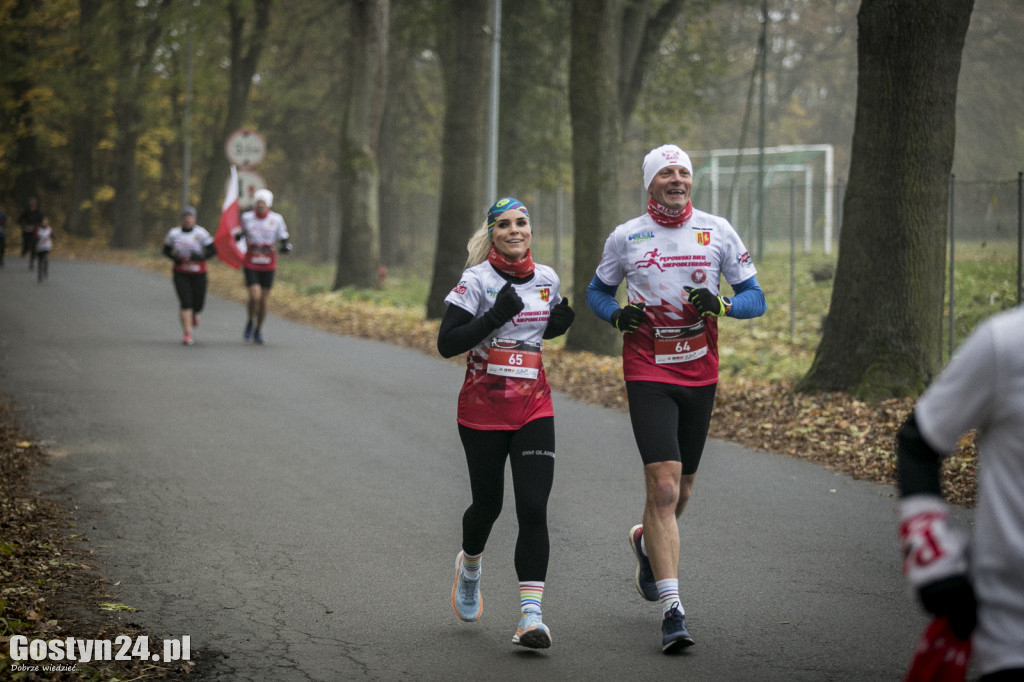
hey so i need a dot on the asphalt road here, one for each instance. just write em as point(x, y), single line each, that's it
point(295, 509)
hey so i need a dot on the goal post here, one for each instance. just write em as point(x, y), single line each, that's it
point(719, 173)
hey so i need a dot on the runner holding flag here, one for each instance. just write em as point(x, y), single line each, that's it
point(265, 233)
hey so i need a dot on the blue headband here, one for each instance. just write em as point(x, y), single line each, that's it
point(499, 207)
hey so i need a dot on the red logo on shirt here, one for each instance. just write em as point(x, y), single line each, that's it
point(699, 276)
point(703, 237)
point(545, 293)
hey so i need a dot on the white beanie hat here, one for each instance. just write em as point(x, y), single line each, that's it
point(264, 195)
point(663, 156)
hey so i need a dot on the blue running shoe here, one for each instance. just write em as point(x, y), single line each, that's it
point(247, 334)
point(466, 599)
point(257, 337)
point(532, 633)
point(674, 635)
point(644, 576)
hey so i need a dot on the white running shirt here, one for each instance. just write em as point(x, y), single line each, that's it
point(983, 388)
point(504, 392)
point(657, 262)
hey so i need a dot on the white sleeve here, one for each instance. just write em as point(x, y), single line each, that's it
point(610, 270)
point(960, 399)
point(466, 293)
point(737, 265)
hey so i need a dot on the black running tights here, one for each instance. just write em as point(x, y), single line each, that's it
point(531, 452)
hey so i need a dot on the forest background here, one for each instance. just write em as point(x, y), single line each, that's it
point(105, 104)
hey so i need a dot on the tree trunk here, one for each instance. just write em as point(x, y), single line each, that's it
point(243, 66)
point(596, 144)
point(881, 336)
point(464, 43)
point(359, 248)
point(138, 34)
point(83, 140)
point(612, 43)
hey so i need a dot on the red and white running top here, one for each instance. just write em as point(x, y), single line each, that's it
point(261, 238)
point(677, 346)
point(189, 243)
point(505, 385)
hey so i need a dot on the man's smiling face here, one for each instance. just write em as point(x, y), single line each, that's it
point(671, 187)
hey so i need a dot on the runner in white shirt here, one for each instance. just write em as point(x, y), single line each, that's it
point(499, 315)
point(979, 589)
point(265, 233)
point(44, 244)
point(189, 246)
point(672, 259)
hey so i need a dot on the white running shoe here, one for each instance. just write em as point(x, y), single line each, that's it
point(532, 633)
point(466, 598)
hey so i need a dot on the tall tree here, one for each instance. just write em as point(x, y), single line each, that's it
point(464, 42)
point(410, 134)
point(359, 252)
point(85, 119)
point(612, 44)
point(881, 334)
point(138, 30)
point(247, 35)
point(20, 79)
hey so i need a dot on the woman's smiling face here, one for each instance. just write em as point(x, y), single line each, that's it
point(511, 235)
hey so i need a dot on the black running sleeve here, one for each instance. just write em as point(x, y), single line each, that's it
point(917, 463)
point(460, 331)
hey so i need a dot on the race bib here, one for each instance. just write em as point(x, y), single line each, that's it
point(514, 358)
point(679, 344)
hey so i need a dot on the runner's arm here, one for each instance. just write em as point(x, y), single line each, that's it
point(461, 331)
point(917, 463)
point(601, 299)
point(748, 300)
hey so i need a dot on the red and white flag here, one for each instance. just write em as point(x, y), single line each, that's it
point(228, 250)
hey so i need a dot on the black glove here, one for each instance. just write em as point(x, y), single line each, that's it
point(286, 246)
point(628, 319)
point(707, 303)
point(560, 319)
point(507, 305)
point(954, 598)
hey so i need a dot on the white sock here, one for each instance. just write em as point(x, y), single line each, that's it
point(668, 593)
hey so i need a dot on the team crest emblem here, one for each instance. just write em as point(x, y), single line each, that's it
point(699, 276)
point(545, 293)
point(703, 237)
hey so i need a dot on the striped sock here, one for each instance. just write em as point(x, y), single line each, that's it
point(668, 592)
point(530, 594)
point(471, 565)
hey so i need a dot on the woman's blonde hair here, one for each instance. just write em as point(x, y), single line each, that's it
point(479, 246)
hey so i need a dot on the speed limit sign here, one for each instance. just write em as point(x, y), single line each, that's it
point(245, 148)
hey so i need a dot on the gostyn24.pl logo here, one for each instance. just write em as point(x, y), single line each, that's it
point(39, 655)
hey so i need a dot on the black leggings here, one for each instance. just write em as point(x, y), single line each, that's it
point(670, 423)
point(1011, 675)
point(191, 289)
point(531, 452)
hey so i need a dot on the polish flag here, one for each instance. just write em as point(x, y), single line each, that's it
point(232, 253)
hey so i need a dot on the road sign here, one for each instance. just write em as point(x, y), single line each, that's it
point(245, 148)
point(249, 182)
